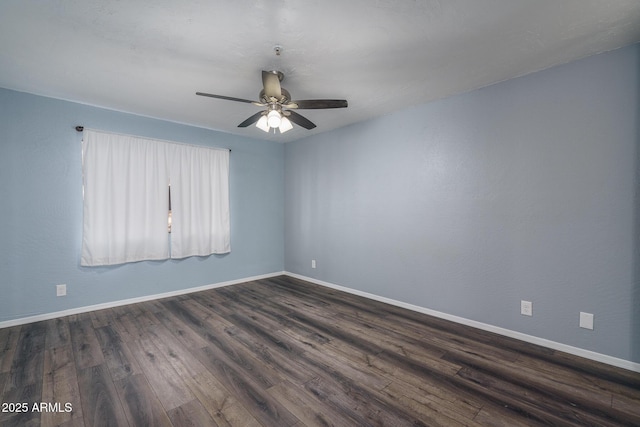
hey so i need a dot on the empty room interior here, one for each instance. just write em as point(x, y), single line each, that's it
point(306, 213)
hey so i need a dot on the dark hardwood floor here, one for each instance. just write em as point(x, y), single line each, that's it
point(283, 352)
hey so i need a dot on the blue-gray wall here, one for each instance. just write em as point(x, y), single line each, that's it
point(527, 189)
point(41, 209)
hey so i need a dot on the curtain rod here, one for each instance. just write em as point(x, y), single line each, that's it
point(81, 129)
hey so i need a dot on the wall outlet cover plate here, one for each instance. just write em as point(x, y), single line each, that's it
point(526, 308)
point(586, 320)
point(61, 290)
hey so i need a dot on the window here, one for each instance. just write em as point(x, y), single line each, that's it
point(128, 184)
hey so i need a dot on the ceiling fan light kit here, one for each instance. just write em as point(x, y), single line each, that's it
point(274, 120)
point(279, 113)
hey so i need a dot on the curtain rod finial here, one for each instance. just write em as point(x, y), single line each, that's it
point(79, 128)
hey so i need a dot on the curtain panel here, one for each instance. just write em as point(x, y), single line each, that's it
point(199, 201)
point(126, 199)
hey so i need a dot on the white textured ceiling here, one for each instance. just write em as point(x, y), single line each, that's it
point(149, 57)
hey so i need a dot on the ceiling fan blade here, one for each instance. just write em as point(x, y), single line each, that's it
point(228, 98)
point(271, 83)
point(314, 104)
point(299, 119)
point(251, 120)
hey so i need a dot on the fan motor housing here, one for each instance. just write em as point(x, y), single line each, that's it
point(286, 97)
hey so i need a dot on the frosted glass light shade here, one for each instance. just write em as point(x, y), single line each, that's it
point(285, 125)
point(274, 119)
point(262, 124)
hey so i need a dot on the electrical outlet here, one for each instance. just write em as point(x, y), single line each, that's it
point(526, 308)
point(61, 290)
point(586, 320)
point(313, 263)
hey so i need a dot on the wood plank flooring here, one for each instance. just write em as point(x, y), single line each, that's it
point(284, 352)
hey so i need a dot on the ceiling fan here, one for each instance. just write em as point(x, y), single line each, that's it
point(279, 113)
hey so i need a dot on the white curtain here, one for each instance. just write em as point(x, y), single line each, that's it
point(125, 199)
point(199, 201)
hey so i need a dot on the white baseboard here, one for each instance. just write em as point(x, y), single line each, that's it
point(587, 354)
point(48, 316)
